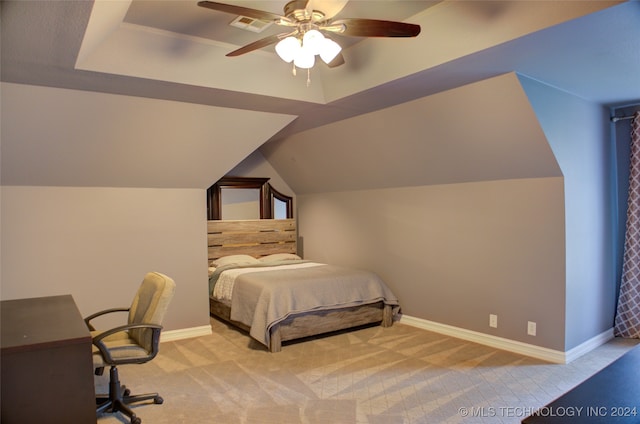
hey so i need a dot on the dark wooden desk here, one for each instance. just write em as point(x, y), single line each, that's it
point(46, 367)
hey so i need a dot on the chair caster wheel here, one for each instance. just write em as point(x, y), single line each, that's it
point(158, 400)
point(136, 420)
point(126, 392)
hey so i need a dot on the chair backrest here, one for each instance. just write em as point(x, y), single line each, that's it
point(150, 305)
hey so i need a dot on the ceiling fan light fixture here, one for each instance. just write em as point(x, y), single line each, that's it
point(302, 52)
point(312, 40)
point(307, 26)
point(288, 48)
point(304, 59)
point(329, 50)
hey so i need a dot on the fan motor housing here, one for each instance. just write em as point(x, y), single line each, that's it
point(296, 10)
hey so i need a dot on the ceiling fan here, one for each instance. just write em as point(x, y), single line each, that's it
point(309, 29)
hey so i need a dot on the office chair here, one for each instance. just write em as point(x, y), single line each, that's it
point(136, 342)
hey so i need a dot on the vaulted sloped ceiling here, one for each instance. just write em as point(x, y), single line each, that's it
point(153, 79)
point(59, 137)
point(131, 38)
point(482, 131)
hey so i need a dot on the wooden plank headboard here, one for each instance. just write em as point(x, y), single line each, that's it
point(256, 237)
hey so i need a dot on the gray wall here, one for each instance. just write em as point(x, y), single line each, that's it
point(97, 243)
point(579, 134)
point(454, 253)
point(527, 248)
point(98, 189)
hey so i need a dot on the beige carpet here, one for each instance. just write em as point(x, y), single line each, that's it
point(374, 375)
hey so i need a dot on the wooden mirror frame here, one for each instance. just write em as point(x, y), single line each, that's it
point(273, 194)
point(267, 194)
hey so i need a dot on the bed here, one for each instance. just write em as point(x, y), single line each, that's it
point(259, 284)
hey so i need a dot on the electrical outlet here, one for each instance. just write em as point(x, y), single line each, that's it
point(531, 328)
point(493, 320)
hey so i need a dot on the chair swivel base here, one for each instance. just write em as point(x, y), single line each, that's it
point(119, 398)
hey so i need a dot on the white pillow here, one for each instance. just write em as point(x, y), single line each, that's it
point(235, 259)
point(280, 257)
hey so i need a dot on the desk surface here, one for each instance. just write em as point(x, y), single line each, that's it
point(41, 322)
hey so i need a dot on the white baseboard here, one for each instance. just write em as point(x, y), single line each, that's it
point(589, 345)
point(514, 346)
point(185, 333)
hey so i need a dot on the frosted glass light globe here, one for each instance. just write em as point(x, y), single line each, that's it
point(330, 50)
point(304, 59)
point(288, 48)
point(312, 40)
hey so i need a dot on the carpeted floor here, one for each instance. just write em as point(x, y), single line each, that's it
point(374, 375)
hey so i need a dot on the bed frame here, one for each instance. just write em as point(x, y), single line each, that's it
point(263, 237)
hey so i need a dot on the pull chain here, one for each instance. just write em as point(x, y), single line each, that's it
point(294, 72)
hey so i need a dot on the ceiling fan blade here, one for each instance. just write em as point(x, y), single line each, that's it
point(330, 8)
point(243, 11)
point(373, 28)
point(263, 42)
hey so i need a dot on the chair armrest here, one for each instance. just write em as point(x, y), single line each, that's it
point(106, 354)
point(100, 313)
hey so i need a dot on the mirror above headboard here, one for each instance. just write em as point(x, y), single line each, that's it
point(247, 198)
